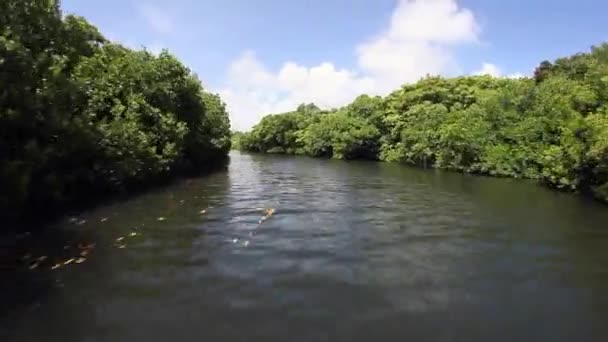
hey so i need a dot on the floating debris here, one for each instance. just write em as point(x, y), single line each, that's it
point(81, 222)
point(182, 202)
point(161, 219)
point(132, 234)
point(80, 260)
point(235, 240)
point(89, 246)
point(267, 214)
point(246, 243)
point(73, 220)
point(119, 242)
point(34, 265)
point(69, 261)
point(42, 258)
point(103, 219)
point(84, 253)
point(203, 211)
point(56, 266)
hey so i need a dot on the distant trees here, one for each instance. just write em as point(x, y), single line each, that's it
point(553, 127)
point(80, 115)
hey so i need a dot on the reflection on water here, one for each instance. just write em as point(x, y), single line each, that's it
point(355, 251)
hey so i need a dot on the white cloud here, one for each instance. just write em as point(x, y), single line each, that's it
point(489, 69)
point(251, 90)
point(516, 75)
point(440, 21)
point(158, 19)
point(419, 40)
point(495, 71)
point(155, 48)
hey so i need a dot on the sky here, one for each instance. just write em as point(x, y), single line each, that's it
point(268, 56)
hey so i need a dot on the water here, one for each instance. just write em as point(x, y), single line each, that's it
point(355, 251)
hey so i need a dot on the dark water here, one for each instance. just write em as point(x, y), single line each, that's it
point(356, 251)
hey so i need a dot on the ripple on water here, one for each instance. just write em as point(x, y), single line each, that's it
point(354, 251)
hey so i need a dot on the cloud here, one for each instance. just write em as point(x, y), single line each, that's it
point(489, 69)
point(155, 48)
point(419, 40)
point(251, 90)
point(495, 71)
point(439, 21)
point(158, 19)
point(516, 75)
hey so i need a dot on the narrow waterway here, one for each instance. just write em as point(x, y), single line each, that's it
point(353, 251)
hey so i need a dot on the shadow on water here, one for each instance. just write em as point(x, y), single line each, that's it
point(46, 214)
point(41, 257)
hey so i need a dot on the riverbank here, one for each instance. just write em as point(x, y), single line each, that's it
point(35, 219)
point(552, 127)
point(83, 117)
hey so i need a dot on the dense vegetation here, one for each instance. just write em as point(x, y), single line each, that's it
point(80, 115)
point(552, 127)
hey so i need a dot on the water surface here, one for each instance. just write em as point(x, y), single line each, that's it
point(355, 251)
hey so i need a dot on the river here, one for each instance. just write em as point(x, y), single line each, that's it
point(354, 251)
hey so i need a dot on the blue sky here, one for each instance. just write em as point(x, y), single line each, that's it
point(267, 56)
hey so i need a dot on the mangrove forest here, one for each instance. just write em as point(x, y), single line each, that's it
point(82, 116)
point(552, 127)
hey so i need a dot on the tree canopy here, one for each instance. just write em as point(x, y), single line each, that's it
point(552, 127)
point(80, 114)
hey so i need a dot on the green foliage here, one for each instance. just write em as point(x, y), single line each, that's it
point(553, 127)
point(280, 133)
point(79, 115)
point(237, 140)
point(340, 135)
